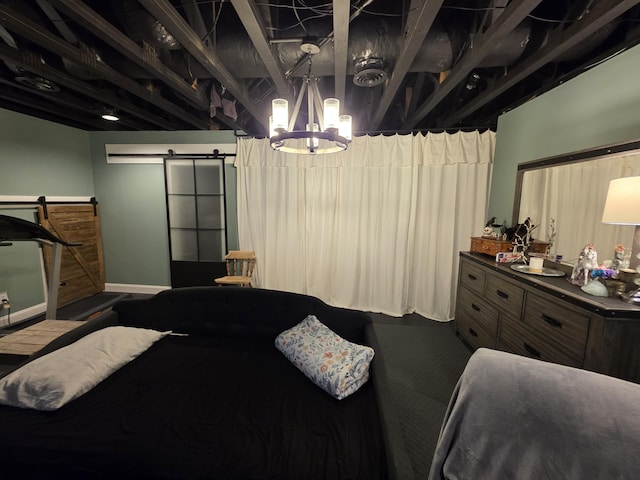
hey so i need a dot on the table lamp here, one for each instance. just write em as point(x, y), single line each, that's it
point(622, 207)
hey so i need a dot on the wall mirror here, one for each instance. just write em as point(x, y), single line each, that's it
point(570, 191)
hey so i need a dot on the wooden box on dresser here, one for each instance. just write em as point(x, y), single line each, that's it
point(545, 318)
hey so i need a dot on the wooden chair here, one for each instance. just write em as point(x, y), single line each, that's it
point(240, 266)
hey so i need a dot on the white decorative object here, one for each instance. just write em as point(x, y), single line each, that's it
point(587, 261)
point(595, 288)
point(535, 264)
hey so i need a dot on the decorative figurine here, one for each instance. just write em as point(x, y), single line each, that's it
point(587, 261)
point(618, 258)
point(522, 239)
point(487, 231)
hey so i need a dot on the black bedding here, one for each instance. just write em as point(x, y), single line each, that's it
point(231, 407)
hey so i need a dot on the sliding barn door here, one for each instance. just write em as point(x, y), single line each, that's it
point(82, 267)
point(196, 219)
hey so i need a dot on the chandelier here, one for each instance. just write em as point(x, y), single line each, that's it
point(331, 133)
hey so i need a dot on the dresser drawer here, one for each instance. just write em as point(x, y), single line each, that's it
point(473, 277)
point(476, 320)
point(557, 324)
point(517, 337)
point(505, 295)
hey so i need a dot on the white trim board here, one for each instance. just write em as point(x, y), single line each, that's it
point(131, 288)
point(25, 314)
point(124, 153)
point(34, 199)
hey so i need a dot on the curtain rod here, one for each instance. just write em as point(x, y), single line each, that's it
point(425, 130)
point(393, 132)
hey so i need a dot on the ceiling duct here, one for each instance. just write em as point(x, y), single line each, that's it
point(379, 39)
point(369, 72)
point(374, 46)
point(37, 83)
point(141, 26)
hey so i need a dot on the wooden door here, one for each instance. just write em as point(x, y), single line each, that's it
point(82, 267)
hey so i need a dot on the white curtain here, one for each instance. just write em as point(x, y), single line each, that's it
point(573, 195)
point(376, 228)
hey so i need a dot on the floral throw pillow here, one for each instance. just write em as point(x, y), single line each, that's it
point(336, 365)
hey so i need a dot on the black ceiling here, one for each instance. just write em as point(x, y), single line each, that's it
point(396, 65)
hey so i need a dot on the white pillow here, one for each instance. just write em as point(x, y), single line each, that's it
point(51, 381)
point(336, 365)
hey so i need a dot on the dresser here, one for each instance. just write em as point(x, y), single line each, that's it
point(545, 318)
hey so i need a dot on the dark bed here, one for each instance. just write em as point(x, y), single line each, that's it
point(221, 402)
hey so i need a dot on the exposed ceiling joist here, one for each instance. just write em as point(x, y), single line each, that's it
point(25, 98)
point(111, 35)
point(89, 60)
point(422, 13)
point(31, 63)
point(195, 18)
point(250, 18)
point(216, 64)
point(341, 43)
point(601, 14)
point(510, 18)
point(166, 14)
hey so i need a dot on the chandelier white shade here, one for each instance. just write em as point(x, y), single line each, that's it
point(331, 113)
point(326, 131)
point(279, 113)
point(344, 128)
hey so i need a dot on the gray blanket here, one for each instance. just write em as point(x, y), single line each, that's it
point(512, 417)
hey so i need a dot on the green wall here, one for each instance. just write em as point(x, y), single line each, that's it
point(43, 158)
point(133, 206)
point(599, 107)
point(37, 158)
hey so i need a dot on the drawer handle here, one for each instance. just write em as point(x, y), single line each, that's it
point(531, 350)
point(472, 277)
point(552, 321)
point(473, 332)
point(475, 307)
point(502, 294)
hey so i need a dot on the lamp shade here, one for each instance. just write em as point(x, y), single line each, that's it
point(280, 113)
point(313, 127)
point(331, 113)
point(622, 206)
point(345, 126)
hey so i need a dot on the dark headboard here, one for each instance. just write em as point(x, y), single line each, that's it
point(236, 311)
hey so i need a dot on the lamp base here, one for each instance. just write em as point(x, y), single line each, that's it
point(632, 297)
point(634, 261)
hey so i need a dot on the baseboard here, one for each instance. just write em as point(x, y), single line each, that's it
point(131, 288)
point(25, 314)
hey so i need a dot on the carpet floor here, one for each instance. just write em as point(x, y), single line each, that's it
point(422, 376)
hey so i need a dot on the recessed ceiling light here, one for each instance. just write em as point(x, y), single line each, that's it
point(111, 116)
